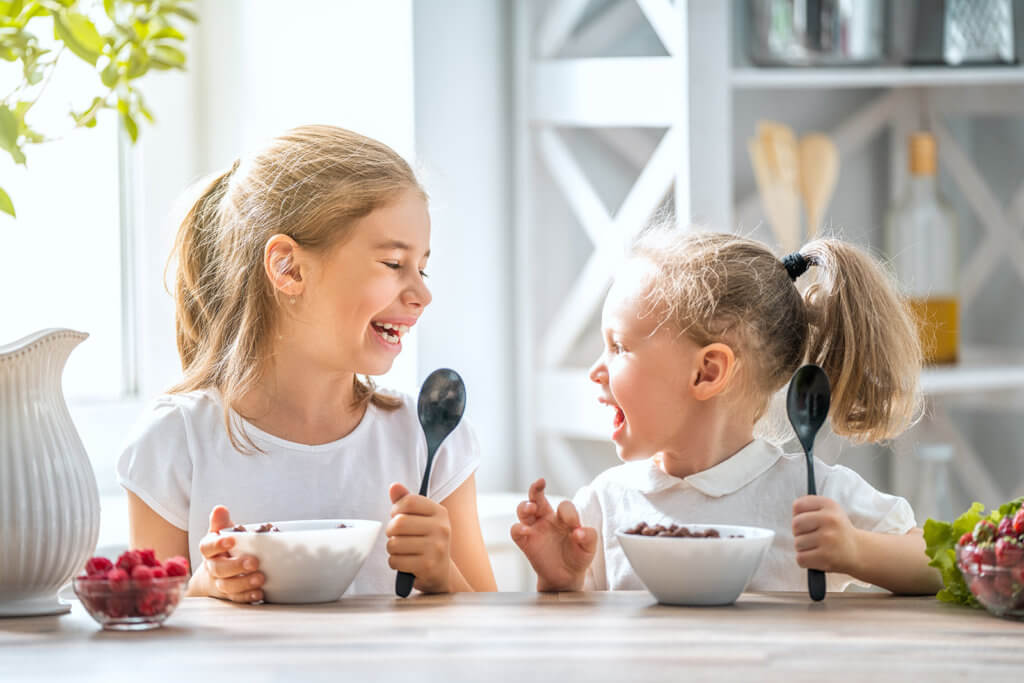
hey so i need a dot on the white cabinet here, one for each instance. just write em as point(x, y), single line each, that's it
point(625, 109)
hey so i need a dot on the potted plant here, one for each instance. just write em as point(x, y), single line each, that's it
point(122, 40)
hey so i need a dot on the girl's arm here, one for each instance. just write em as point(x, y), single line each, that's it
point(147, 529)
point(893, 561)
point(471, 567)
point(825, 539)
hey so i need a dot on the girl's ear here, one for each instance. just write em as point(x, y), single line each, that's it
point(714, 367)
point(283, 266)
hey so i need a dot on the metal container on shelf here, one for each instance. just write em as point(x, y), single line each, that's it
point(956, 32)
point(816, 32)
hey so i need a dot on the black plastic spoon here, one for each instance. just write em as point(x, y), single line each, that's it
point(441, 404)
point(807, 406)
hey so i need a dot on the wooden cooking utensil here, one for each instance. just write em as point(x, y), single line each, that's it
point(819, 170)
point(773, 154)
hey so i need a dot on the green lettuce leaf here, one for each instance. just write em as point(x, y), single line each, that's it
point(940, 545)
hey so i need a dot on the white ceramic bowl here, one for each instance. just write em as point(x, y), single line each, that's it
point(308, 560)
point(697, 571)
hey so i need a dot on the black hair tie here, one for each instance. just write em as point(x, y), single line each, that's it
point(796, 264)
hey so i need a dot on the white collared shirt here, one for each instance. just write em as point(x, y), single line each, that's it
point(754, 487)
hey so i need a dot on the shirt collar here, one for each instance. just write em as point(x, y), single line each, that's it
point(728, 476)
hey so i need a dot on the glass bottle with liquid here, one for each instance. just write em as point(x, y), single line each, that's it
point(932, 495)
point(921, 241)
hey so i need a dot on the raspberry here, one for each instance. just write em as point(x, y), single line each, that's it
point(983, 531)
point(142, 575)
point(148, 557)
point(159, 572)
point(151, 602)
point(1005, 527)
point(129, 559)
point(1018, 522)
point(1009, 552)
point(97, 567)
point(119, 580)
point(176, 566)
point(118, 607)
point(965, 539)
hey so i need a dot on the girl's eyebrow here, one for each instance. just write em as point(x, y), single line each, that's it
point(396, 244)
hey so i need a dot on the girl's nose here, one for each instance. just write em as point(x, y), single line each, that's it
point(598, 372)
point(417, 294)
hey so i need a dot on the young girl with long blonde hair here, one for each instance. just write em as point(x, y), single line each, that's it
point(299, 270)
point(700, 331)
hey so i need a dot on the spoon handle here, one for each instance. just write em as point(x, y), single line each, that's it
point(403, 584)
point(815, 577)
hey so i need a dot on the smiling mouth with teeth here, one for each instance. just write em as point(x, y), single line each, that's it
point(390, 332)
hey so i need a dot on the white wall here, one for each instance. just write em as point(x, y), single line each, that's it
point(463, 143)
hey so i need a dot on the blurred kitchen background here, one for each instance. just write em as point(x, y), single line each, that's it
point(547, 132)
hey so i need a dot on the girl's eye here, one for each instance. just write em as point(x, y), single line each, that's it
point(392, 266)
point(616, 347)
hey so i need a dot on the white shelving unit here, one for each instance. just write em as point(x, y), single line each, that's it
point(671, 116)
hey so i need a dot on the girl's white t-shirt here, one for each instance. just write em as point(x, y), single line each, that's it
point(754, 487)
point(180, 461)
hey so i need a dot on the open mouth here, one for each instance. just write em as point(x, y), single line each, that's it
point(392, 333)
point(620, 417)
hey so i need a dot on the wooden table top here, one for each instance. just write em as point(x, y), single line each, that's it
point(620, 636)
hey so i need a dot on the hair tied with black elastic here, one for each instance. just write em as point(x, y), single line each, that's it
point(796, 264)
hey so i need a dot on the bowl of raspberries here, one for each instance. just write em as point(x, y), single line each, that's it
point(135, 593)
point(991, 558)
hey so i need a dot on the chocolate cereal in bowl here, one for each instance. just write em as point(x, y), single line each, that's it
point(307, 561)
point(695, 564)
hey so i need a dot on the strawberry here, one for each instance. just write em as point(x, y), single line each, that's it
point(966, 538)
point(1009, 552)
point(1018, 522)
point(1005, 527)
point(984, 531)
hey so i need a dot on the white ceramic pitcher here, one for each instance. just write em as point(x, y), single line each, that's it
point(49, 503)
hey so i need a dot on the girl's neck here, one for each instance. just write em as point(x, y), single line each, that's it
point(714, 436)
point(300, 402)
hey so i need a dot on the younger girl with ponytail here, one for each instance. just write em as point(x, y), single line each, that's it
point(298, 271)
point(700, 331)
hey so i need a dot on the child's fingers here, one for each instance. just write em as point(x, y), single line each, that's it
point(213, 545)
point(520, 534)
point(567, 515)
point(807, 542)
point(805, 523)
point(537, 497)
point(240, 584)
point(411, 525)
point(223, 566)
point(410, 545)
point(586, 538)
point(414, 505)
point(808, 504)
point(397, 491)
point(527, 512)
point(220, 518)
point(247, 596)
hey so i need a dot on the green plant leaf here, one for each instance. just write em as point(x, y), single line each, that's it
point(79, 34)
point(138, 63)
point(167, 57)
point(130, 126)
point(6, 205)
point(110, 7)
point(185, 13)
point(8, 128)
point(168, 32)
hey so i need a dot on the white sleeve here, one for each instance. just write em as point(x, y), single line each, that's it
point(156, 463)
point(589, 508)
point(456, 459)
point(868, 508)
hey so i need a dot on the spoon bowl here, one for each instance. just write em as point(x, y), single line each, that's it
point(440, 407)
point(807, 403)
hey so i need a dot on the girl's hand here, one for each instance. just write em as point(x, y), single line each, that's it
point(823, 535)
point(221, 574)
point(419, 540)
point(554, 542)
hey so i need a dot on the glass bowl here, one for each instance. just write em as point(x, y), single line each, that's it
point(130, 605)
point(999, 588)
